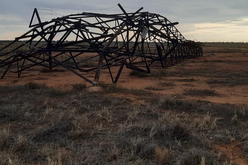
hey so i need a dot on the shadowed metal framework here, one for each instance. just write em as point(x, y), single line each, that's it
point(90, 42)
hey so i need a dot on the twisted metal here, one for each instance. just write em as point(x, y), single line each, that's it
point(90, 42)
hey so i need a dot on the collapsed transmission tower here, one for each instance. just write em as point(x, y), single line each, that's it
point(90, 42)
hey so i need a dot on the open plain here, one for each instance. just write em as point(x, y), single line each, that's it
point(193, 113)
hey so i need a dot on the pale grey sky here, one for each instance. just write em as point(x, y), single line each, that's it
point(200, 20)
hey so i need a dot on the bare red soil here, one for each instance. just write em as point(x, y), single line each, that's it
point(222, 73)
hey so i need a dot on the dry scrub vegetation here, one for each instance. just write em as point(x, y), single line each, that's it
point(41, 125)
point(49, 126)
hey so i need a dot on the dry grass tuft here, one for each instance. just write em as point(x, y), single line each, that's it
point(161, 155)
point(32, 85)
point(78, 87)
point(4, 138)
point(207, 122)
point(197, 156)
point(200, 92)
point(73, 127)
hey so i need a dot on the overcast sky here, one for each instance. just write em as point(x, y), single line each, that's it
point(200, 20)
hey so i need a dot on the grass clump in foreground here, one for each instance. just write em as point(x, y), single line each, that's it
point(47, 126)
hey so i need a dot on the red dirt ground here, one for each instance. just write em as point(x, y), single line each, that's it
point(233, 64)
point(233, 152)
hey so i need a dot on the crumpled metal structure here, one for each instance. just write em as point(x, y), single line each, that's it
point(90, 42)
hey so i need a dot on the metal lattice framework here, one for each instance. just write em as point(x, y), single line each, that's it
point(90, 42)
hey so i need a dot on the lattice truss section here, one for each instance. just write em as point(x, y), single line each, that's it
point(90, 42)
